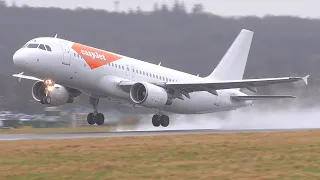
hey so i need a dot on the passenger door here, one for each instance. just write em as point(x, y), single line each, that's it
point(128, 70)
point(66, 53)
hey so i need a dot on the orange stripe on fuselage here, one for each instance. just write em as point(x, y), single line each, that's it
point(94, 57)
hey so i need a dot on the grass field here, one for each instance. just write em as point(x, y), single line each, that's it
point(57, 130)
point(277, 155)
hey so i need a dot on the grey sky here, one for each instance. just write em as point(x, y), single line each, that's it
point(302, 8)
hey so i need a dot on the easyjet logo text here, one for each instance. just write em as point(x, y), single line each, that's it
point(93, 55)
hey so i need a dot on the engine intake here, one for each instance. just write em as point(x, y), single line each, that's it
point(149, 95)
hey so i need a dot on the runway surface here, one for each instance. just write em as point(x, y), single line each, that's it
point(14, 137)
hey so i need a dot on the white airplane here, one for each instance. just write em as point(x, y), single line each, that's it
point(63, 70)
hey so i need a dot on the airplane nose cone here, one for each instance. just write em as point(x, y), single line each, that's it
point(18, 58)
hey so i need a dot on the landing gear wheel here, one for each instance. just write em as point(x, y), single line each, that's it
point(90, 119)
point(46, 100)
point(99, 119)
point(164, 121)
point(156, 120)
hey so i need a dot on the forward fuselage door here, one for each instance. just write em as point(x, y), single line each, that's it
point(66, 53)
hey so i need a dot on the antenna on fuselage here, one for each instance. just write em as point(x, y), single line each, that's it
point(160, 64)
point(56, 36)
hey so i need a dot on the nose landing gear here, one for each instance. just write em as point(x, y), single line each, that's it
point(162, 120)
point(49, 85)
point(46, 100)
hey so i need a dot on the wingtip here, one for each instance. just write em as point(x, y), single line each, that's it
point(305, 79)
point(247, 31)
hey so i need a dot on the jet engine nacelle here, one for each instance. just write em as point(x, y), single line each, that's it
point(59, 94)
point(149, 95)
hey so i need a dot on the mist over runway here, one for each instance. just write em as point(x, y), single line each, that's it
point(250, 118)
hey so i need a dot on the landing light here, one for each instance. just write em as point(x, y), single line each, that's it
point(49, 88)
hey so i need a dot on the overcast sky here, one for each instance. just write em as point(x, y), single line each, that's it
point(302, 8)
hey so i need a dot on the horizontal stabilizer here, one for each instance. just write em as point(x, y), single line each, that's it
point(260, 97)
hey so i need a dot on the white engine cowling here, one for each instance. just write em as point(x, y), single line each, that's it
point(59, 95)
point(149, 95)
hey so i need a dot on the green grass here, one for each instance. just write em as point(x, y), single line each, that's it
point(274, 156)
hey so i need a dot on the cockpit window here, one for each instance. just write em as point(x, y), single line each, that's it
point(42, 47)
point(33, 46)
point(48, 48)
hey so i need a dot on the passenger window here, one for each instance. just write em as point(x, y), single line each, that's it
point(33, 46)
point(48, 48)
point(116, 65)
point(123, 67)
point(143, 73)
point(42, 47)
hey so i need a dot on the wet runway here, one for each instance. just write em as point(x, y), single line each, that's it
point(14, 137)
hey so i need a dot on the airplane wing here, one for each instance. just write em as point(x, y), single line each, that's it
point(211, 87)
point(21, 76)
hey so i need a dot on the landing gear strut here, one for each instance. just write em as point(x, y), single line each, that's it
point(162, 120)
point(95, 117)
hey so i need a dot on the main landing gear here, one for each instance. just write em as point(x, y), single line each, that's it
point(95, 117)
point(162, 120)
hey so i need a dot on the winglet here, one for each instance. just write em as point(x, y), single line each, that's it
point(56, 36)
point(159, 64)
point(305, 79)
